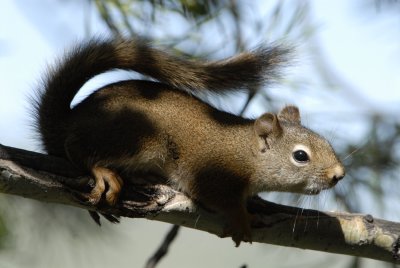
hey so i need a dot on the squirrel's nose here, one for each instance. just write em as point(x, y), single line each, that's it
point(336, 173)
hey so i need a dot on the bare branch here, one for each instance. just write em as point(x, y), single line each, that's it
point(163, 249)
point(350, 234)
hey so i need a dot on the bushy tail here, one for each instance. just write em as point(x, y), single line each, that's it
point(52, 103)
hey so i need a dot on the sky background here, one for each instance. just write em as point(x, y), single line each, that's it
point(363, 49)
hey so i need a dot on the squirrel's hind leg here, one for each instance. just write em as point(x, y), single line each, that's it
point(102, 176)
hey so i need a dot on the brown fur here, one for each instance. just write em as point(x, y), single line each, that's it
point(217, 158)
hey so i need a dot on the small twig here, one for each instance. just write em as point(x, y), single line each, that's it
point(163, 249)
point(250, 97)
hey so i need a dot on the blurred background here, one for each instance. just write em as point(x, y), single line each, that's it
point(344, 77)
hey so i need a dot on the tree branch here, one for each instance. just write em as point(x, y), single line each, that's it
point(51, 179)
point(163, 249)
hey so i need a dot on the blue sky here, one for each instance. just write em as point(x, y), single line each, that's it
point(363, 46)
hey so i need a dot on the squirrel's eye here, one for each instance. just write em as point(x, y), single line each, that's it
point(300, 156)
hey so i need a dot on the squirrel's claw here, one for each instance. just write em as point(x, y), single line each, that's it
point(114, 182)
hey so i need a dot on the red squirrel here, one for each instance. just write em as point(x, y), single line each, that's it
point(158, 127)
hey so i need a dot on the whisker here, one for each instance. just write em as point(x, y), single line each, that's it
point(325, 199)
point(318, 212)
point(300, 208)
point(350, 154)
point(306, 224)
point(299, 201)
point(197, 220)
point(294, 223)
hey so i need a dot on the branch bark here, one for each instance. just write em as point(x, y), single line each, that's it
point(51, 179)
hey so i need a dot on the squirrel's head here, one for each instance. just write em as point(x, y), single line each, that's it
point(292, 158)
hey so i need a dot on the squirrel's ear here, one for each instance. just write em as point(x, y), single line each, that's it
point(290, 113)
point(268, 124)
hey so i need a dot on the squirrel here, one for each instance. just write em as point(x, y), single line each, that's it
point(159, 127)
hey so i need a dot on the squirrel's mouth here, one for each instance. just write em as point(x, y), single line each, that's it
point(314, 191)
point(316, 187)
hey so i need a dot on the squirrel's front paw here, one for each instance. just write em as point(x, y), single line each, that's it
point(114, 182)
